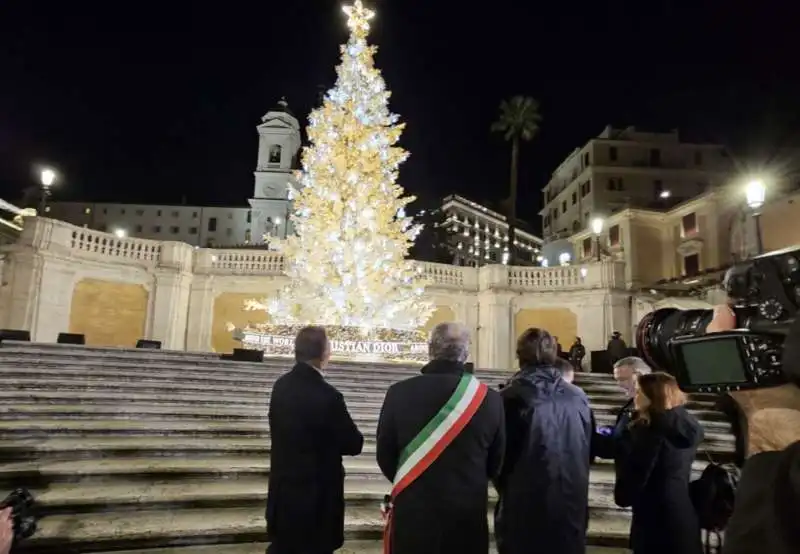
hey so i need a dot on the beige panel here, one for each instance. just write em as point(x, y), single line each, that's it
point(559, 322)
point(443, 314)
point(229, 308)
point(108, 313)
point(780, 225)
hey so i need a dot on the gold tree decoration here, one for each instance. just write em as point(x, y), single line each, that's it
point(347, 261)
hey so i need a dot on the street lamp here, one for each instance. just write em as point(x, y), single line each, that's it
point(597, 229)
point(47, 178)
point(120, 233)
point(755, 192)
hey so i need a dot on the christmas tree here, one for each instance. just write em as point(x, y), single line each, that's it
point(347, 261)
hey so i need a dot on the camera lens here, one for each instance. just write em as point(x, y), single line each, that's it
point(657, 329)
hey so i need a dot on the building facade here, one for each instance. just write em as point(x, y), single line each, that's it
point(266, 217)
point(473, 235)
point(622, 168)
point(705, 233)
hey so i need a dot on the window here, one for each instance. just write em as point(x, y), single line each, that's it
point(564, 207)
point(547, 221)
point(655, 157)
point(587, 247)
point(574, 198)
point(249, 216)
point(122, 211)
point(612, 153)
point(212, 224)
point(689, 225)
point(586, 217)
point(192, 230)
point(576, 226)
point(138, 228)
point(275, 154)
point(157, 229)
point(194, 215)
point(158, 213)
point(698, 158)
point(230, 216)
point(105, 211)
point(691, 265)
point(140, 212)
point(586, 188)
point(585, 159)
point(658, 187)
point(613, 235)
point(175, 213)
point(174, 230)
point(615, 183)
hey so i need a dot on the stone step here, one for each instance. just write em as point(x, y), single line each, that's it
point(21, 388)
point(170, 374)
point(350, 547)
point(605, 413)
point(141, 468)
point(129, 495)
point(213, 428)
point(83, 533)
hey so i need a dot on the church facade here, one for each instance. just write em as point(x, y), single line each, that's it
point(265, 219)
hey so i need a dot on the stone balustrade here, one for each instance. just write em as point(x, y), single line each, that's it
point(81, 243)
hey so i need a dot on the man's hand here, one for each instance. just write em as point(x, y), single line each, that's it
point(6, 531)
point(724, 319)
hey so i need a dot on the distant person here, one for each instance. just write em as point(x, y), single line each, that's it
point(617, 349)
point(577, 352)
point(653, 471)
point(559, 349)
point(566, 370)
point(626, 372)
point(544, 484)
point(311, 430)
point(441, 438)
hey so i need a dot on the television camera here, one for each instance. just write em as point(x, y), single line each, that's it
point(764, 350)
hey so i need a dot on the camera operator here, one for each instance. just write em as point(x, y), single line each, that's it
point(764, 517)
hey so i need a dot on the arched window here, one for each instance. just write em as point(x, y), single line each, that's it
point(275, 154)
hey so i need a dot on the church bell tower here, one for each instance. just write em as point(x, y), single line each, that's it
point(278, 148)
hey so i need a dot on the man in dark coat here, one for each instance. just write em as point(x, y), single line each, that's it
point(311, 430)
point(576, 354)
point(544, 484)
point(626, 372)
point(617, 349)
point(445, 510)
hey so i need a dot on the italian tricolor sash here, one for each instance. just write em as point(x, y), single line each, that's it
point(432, 440)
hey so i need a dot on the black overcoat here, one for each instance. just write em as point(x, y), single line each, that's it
point(653, 468)
point(544, 485)
point(445, 510)
point(311, 430)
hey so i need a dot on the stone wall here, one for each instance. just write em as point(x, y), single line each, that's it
point(58, 277)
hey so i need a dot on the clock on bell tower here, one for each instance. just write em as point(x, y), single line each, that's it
point(278, 146)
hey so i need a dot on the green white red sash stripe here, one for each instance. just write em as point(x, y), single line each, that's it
point(434, 438)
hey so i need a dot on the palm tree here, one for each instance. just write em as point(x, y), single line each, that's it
point(519, 120)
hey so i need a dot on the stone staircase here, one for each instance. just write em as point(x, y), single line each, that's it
point(167, 452)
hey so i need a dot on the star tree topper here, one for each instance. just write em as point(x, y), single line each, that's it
point(358, 18)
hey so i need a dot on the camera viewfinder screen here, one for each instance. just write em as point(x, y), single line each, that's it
point(714, 361)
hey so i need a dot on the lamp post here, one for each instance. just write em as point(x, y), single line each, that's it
point(755, 193)
point(597, 229)
point(47, 178)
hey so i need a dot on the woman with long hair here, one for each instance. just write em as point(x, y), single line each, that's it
point(654, 467)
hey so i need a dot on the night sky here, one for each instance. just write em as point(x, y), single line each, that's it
point(152, 102)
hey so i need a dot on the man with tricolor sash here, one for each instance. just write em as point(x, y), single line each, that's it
point(441, 438)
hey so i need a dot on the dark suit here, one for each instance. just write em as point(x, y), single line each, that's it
point(444, 510)
point(310, 429)
point(653, 470)
point(544, 485)
point(605, 446)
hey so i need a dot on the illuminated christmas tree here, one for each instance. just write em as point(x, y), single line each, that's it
point(347, 262)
